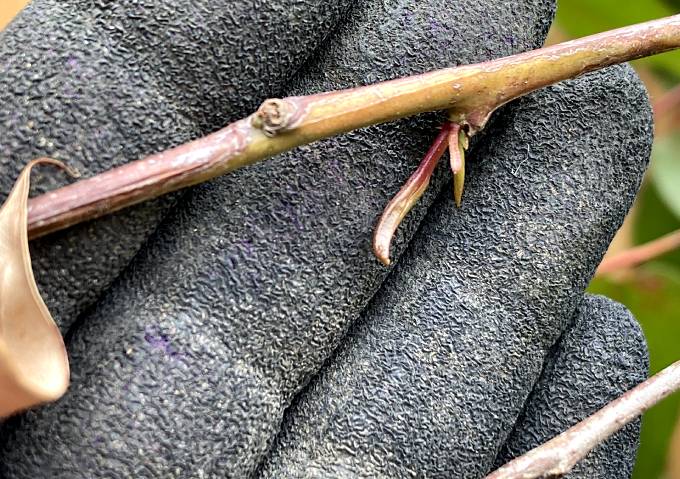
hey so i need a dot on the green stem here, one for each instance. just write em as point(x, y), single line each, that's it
point(470, 93)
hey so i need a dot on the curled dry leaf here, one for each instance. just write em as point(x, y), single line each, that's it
point(33, 362)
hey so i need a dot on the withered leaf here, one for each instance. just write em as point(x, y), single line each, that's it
point(34, 365)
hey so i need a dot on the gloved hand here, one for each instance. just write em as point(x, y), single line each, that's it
point(187, 364)
point(487, 306)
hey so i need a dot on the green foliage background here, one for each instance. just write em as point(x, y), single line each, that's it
point(651, 292)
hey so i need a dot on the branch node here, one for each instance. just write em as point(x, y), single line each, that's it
point(273, 116)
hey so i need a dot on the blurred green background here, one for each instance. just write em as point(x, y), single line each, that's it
point(651, 291)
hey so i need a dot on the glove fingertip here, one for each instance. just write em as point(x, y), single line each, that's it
point(602, 355)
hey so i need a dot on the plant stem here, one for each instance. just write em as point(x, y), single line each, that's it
point(640, 254)
point(409, 194)
point(470, 94)
point(558, 456)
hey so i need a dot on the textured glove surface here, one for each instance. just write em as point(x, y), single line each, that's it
point(599, 357)
point(186, 367)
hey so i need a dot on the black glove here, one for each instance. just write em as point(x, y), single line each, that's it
point(186, 366)
point(598, 358)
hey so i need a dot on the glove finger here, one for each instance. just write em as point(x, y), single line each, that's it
point(432, 380)
point(600, 357)
point(244, 291)
point(98, 84)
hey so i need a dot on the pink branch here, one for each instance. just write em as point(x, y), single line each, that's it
point(558, 456)
point(640, 254)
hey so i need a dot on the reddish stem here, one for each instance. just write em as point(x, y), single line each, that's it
point(558, 456)
point(408, 196)
point(469, 93)
point(119, 187)
point(640, 254)
point(668, 102)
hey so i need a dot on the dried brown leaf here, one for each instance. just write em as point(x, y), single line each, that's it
point(33, 362)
